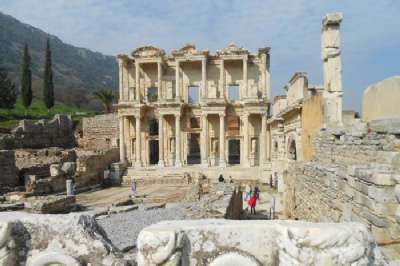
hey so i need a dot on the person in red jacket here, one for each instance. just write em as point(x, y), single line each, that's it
point(252, 203)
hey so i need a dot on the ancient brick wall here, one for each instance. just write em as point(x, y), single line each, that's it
point(9, 173)
point(57, 132)
point(99, 132)
point(354, 176)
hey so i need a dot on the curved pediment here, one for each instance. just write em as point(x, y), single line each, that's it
point(148, 51)
point(232, 49)
point(188, 49)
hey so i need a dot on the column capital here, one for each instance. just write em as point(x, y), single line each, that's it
point(222, 115)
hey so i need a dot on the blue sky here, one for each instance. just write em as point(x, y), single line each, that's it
point(370, 31)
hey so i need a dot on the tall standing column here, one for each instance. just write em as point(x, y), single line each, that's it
point(204, 146)
point(244, 91)
point(122, 149)
point(137, 80)
point(245, 132)
point(177, 81)
point(222, 79)
point(138, 162)
point(263, 139)
point(203, 79)
point(159, 77)
point(269, 143)
point(120, 65)
point(222, 161)
point(161, 141)
point(178, 161)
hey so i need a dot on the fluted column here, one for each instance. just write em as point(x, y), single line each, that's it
point(204, 79)
point(245, 91)
point(137, 80)
point(245, 132)
point(138, 162)
point(204, 146)
point(159, 80)
point(177, 81)
point(222, 161)
point(178, 161)
point(122, 149)
point(222, 79)
point(263, 139)
point(161, 141)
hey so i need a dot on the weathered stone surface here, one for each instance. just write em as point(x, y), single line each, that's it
point(222, 242)
point(7, 246)
point(73, 239)
point(390, 126)
point(68, 168)
point(9, 173)
point(51, 204)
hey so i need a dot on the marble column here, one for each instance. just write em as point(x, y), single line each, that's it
point(245, 90)
point(177, 81)
point(138, 162)
point(205, 142)
point(159, 80)
point(245, 132)
point(178, 161)
point(137, 80)
point(203, 79)
point(161, 141)
point(222, 80)
point(222, 161)
point(122, 149)
point(263, 139)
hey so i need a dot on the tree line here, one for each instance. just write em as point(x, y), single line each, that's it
point(9, 92)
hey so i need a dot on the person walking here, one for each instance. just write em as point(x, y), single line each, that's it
point(252, 203)
point(133, 188)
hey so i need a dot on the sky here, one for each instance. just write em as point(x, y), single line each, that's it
point(292, 28)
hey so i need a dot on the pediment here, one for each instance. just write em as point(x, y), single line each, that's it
point(148, 51)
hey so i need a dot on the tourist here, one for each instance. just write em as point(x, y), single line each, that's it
point(221, 179)
point(252, 203)
point(230, 180)
point(247, 193)
point(133, 187)
point(257, 191)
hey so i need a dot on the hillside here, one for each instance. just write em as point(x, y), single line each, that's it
point(77, 71)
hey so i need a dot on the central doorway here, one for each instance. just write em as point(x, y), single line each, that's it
point(193, 156)
point(234, 151)
point(153, 148)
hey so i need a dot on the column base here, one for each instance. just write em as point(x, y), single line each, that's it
point(178, 164)
point(161, 163)
point(138, 164)
point(222, 163)
point(205, 163)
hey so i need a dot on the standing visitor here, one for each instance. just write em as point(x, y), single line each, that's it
point(252, 203)
point(133, 187)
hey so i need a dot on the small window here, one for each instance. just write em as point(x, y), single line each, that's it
point(233, 92)
point(152, 94)
point(194, 94)
point(194, 122)
point(153, 127)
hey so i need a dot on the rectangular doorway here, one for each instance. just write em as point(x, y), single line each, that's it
point(154, 151)
point(193, 156)
point(234, 151)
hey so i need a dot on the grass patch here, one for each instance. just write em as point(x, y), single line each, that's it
point(37, 111)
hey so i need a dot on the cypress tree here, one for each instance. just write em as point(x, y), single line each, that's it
point(26, 79)
point(8, 93)
point(48, 85)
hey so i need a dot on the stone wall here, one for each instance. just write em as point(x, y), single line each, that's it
point(9, 172)
point(57, 132)
point(355, 176)
point(99, 132)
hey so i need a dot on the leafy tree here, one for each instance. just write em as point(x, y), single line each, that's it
point(106, 97)
point(8, 92)
point(26, 79)
point(48, 85)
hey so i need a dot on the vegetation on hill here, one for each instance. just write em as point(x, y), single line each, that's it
point(77, 72)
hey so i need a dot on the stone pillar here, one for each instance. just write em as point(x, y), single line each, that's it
point(138, 162)
point(269, 143)
point(263, 139)
point(159, 80)
point(332, 62)
point(244, 90)
point(137, 80)
point(222, 80)
point(205, 141)
point(245, 132)
point(122, 150)
point(222, 161)
point(70, 190)
point(161, 141)
point(178, 161)
point(177, 81)
point(204, 79)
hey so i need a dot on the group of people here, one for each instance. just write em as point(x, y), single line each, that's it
point(251, 196)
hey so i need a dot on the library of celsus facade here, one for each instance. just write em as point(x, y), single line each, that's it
point(194, 109)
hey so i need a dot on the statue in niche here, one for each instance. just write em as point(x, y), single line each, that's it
point(253, 145)
point(172, 145)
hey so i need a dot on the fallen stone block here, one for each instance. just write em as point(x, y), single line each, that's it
point(51, 204)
